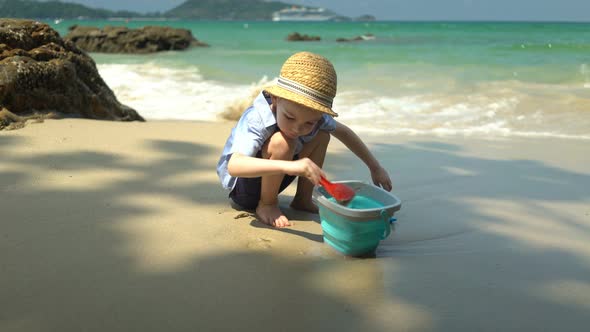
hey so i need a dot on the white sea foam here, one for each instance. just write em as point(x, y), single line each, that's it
point(428, 114)
point(169, 93)
point(492, 110)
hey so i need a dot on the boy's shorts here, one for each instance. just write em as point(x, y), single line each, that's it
point(246, 192)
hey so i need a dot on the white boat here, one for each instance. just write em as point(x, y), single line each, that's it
point(303, 14)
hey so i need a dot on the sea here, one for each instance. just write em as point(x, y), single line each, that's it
point(482, 79)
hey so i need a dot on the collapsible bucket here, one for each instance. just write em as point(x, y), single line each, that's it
point(354, 230)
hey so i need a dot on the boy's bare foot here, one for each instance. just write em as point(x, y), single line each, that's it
point(270, 214)
point(302, 205)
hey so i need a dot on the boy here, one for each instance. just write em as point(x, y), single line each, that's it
point(285, 134)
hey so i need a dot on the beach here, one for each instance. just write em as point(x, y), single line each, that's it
point(483, 127)
point(124, 226)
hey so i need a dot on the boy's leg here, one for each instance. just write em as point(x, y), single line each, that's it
point(316, 151)
point(246, 192)
point(278, 147)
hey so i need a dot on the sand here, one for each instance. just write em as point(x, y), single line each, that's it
point(109, 226)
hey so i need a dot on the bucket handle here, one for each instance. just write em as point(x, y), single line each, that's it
point(387, 222)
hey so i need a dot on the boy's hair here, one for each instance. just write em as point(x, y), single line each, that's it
point(307, 79)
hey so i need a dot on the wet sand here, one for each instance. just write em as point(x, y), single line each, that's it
point(124, 227)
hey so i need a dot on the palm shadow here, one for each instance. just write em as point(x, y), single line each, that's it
point(481, 216)
point(69, 244)
point(466, 267)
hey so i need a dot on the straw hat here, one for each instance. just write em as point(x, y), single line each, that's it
point(307, 79)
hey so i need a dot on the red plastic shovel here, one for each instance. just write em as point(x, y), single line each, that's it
point(342, 193)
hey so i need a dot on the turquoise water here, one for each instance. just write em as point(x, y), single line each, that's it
point(481, 79)
point(491, 50)
point(360, 202)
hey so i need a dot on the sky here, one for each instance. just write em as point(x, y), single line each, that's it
point(472, 10)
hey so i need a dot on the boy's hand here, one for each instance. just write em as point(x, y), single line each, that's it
point(381, 178)
point(306, 168)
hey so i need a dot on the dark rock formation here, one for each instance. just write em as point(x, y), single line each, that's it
point(124, 40)
point(357, 38)
point(367, 36)
point(365, 18)
point(42, 74)
point(295, 36)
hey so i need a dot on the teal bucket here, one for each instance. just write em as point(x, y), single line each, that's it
point(352, 230)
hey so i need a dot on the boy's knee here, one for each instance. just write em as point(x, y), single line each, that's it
point(323, 137)
point(279, 147)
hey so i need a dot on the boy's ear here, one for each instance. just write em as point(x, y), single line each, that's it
point(273, 105)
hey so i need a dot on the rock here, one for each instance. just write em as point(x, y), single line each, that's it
point(41, 75)
point(365, 18)
point(295, 36)
point(348, 39)
point(148, 39)
point(367, 36)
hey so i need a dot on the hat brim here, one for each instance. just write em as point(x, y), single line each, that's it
point(280, 92)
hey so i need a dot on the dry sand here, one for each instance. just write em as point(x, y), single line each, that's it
point(111, 226)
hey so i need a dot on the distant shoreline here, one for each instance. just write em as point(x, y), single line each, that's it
point(165, 19)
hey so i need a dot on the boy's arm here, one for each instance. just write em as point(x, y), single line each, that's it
point(243, 166)
point(240, 165)
point(354, 143)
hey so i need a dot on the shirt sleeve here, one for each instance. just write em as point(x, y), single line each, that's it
point(328, 124)
point(249, 135)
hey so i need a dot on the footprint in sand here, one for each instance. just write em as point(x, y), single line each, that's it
point(260, 243)
point(244, 215)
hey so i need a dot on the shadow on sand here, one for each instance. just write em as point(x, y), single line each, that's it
point(63, 266)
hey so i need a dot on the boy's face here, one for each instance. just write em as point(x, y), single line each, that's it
point(294, 120)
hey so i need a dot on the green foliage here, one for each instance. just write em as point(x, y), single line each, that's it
point(227, 9)
point(50, 9)
point(34, 9)
point(191, 9)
